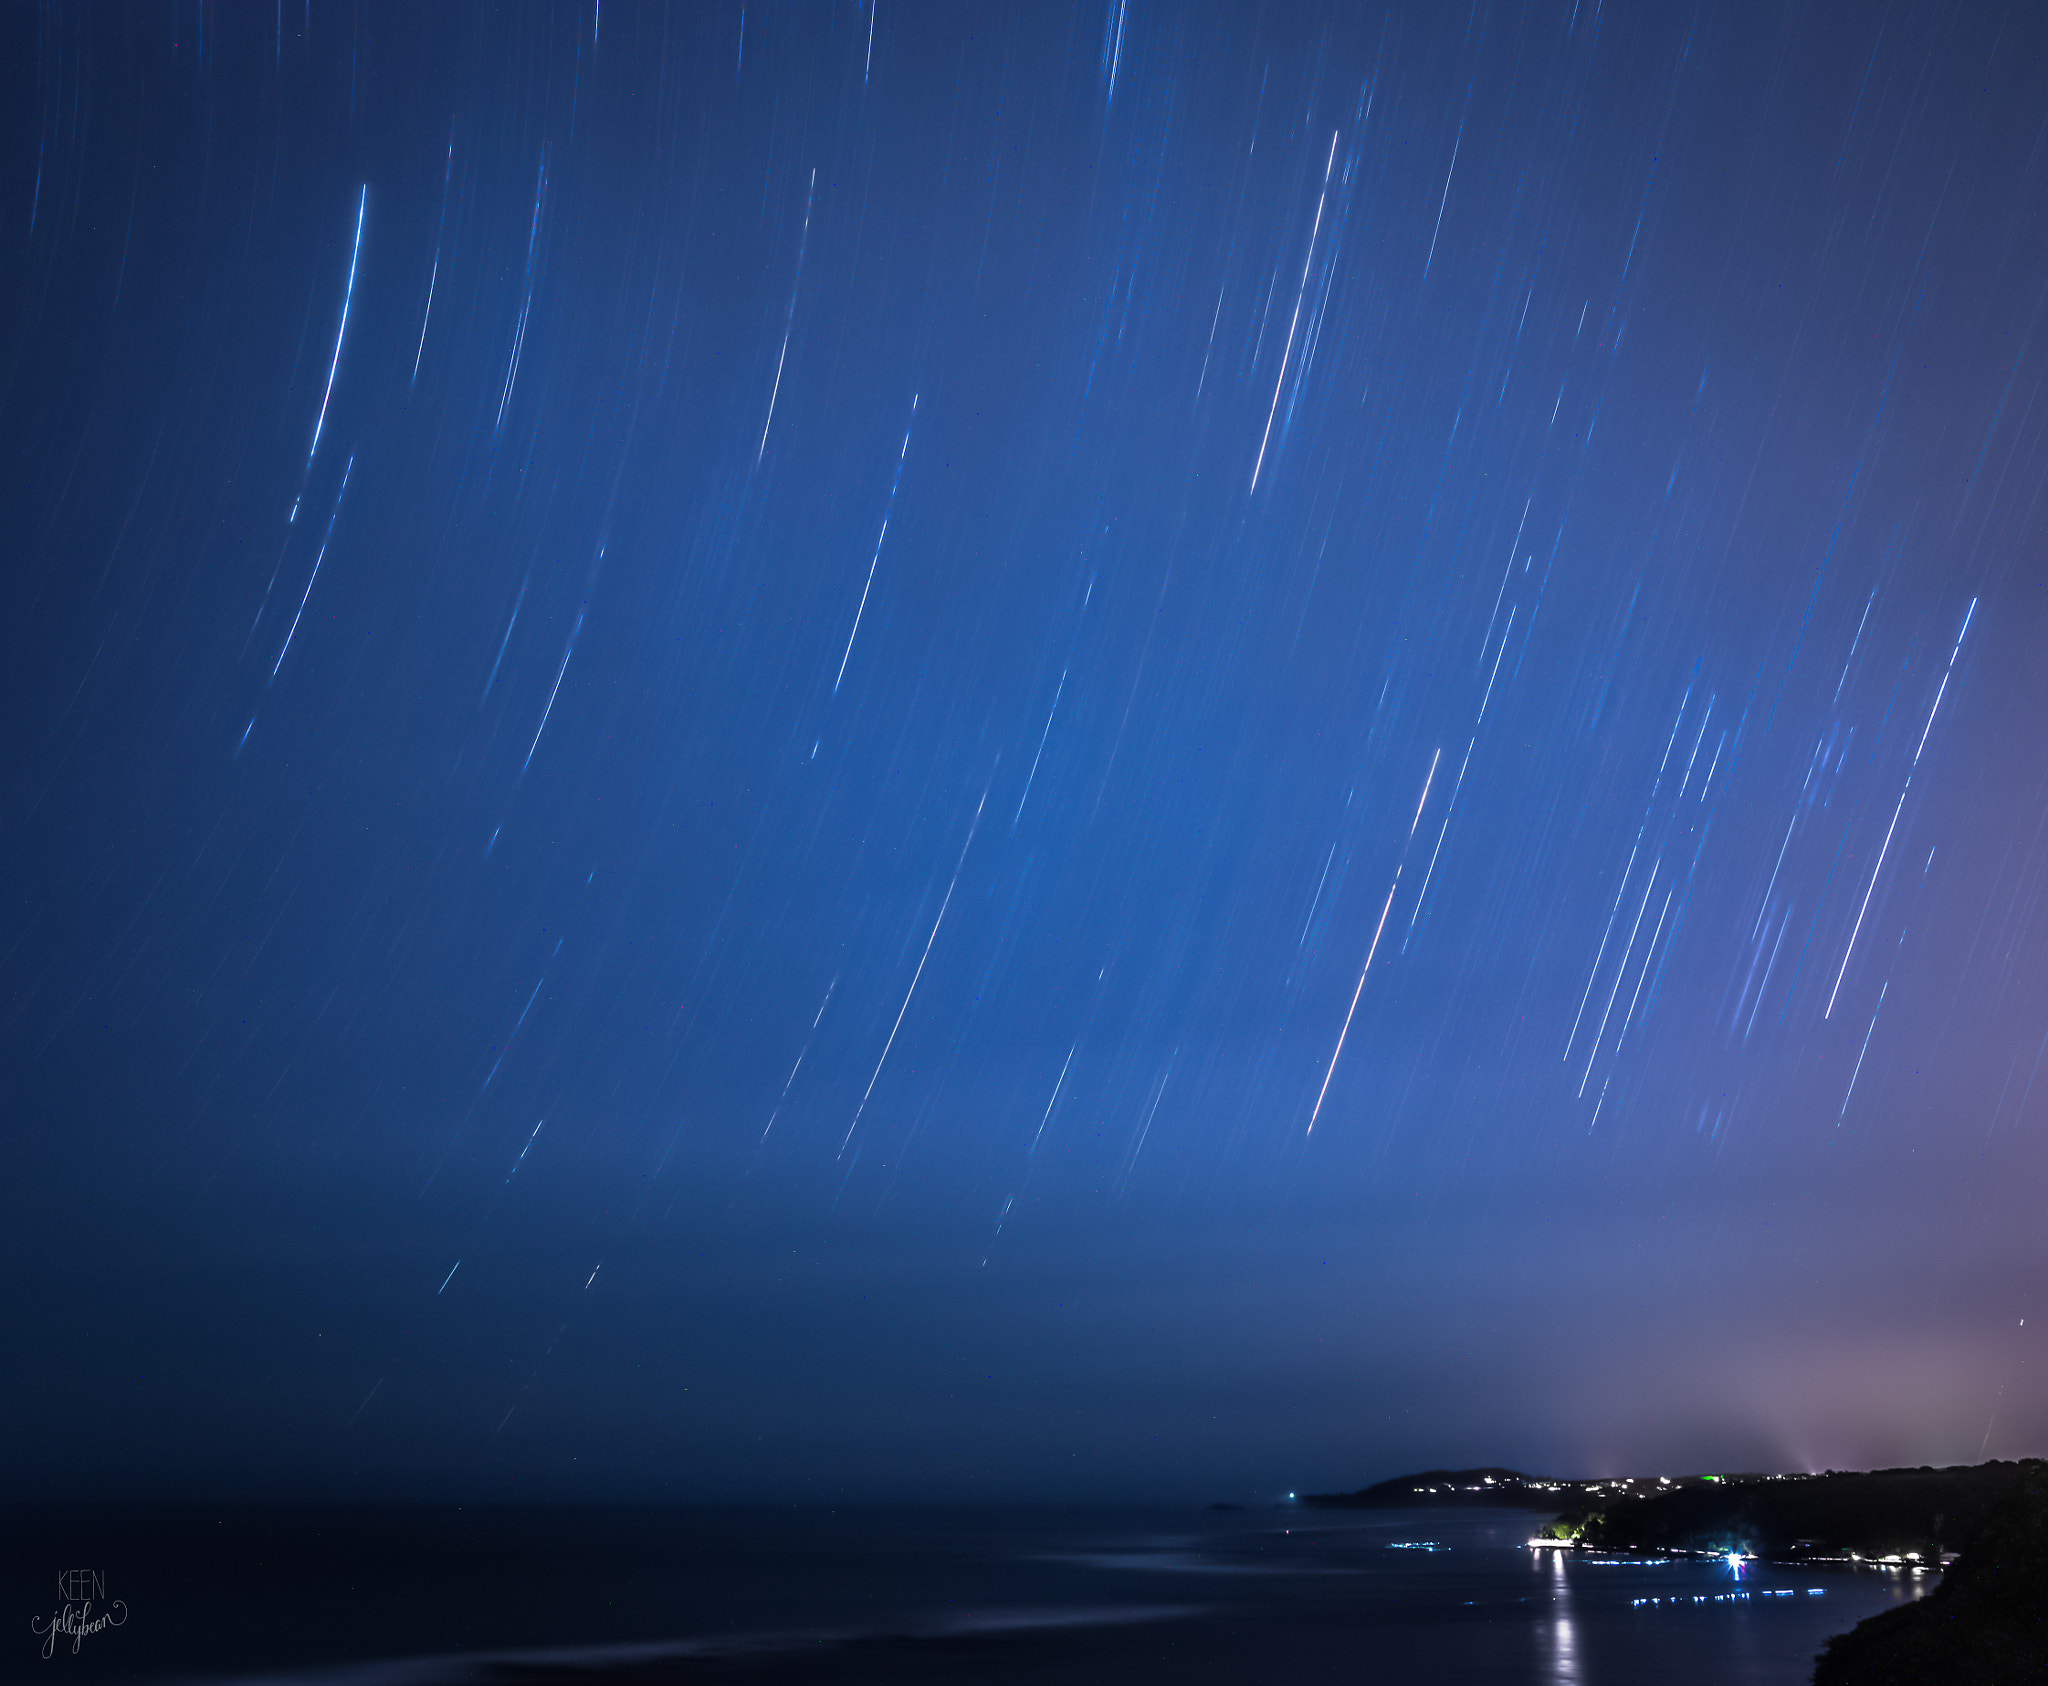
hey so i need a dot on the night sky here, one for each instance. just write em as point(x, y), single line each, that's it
point(871, 751)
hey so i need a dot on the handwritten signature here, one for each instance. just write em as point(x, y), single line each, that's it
point(74, 1622)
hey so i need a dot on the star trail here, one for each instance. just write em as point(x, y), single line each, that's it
point(1185, 748)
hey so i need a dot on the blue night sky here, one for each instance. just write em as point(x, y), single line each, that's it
point(859, 751)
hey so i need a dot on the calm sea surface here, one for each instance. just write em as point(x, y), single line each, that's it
point(521, 1597)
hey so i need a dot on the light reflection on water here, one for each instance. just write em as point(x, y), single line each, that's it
point(1564, 1649)
point(1696, 1618)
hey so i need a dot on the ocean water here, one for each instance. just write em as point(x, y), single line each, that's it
point(521, 1597)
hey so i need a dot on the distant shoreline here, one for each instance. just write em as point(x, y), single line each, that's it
point(1911, 1519)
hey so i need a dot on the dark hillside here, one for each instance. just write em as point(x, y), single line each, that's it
point(1889, 1512)
point(1487, 1486)
point(1985, 1625)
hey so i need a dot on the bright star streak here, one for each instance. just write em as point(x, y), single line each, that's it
point(1606, 936)
point(1620, 974)
point(447, 174)
point(1649, 954)
point(1506, 633)
point(1450, 808)
point(1770, 966)
point(1049, 1105)
point(1317, 900)
point(523, 1011)
point(1338, 1051)
point(544, 713)
point(888, 509)
point(1773, 884)
point(1910, 771)
point(521, 1160)
point(789, 321)
point(805, 1049)
point(921, 959)
point(1858, 1072)
point(1058, 691)
point(362, 200)
point(1865, 908)
point(526, 303)
point(314, 575)
point(433, 277)
point(507, 639)
point(1452, 171)
point(1289, 350)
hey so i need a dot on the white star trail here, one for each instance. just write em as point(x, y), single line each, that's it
point(887, 511)
point(507, 639)
point(314, 575)
point(521, 1160)
point(1450, 808)
point(1316, 900)
point(1049, 1105)
point(1448, 174)
point(921, 959)
point(1620, 973)
point(1600, 954)
point(789, 320)
point(347, 298)
point(544, 713)
point(801, 1052)
point(1295, 321)
point(1058, 692)
point(1860, 1052)
point(1336, 1052)
point(447, 174)
point(1899, 809)
point(526, 300)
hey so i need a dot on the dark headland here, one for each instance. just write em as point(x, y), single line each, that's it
point(1983, 1528)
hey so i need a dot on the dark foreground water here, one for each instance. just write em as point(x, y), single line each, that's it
point(384, 1597)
